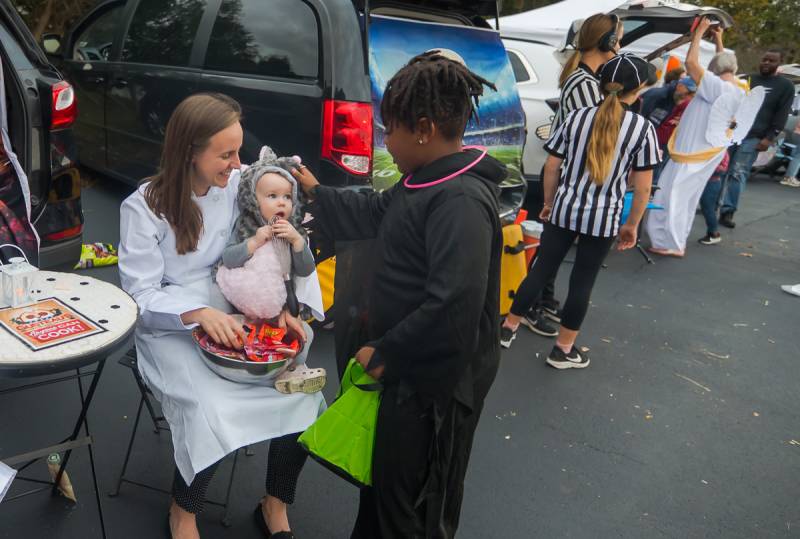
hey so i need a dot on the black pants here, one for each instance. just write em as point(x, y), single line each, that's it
point(555, 244)
point(534, 202)
point(417, 474)
point(284, 462)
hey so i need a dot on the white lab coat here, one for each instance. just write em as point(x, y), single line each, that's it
point(209, 416)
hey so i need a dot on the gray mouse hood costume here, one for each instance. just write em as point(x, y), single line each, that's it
point(250, 218)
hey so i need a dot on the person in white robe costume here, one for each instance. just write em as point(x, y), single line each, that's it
point(168, 271)
point(720, 112)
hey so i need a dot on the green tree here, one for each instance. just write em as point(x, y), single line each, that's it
point(760, 25)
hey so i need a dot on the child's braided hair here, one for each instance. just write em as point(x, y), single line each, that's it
point(433, 86)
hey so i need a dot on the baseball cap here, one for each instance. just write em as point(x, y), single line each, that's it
point(689, 82)
point(628, 70)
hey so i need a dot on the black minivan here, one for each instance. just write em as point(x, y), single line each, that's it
point(302, 70)
point(40, 108)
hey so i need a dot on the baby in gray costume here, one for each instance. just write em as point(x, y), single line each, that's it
point(250, 276)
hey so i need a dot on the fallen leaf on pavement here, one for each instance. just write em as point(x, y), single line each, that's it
point(747, 255)
point(756, 414)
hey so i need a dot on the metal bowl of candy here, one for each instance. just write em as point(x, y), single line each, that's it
point(266, 354)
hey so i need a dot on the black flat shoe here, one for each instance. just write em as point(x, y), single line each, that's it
point(262, 525)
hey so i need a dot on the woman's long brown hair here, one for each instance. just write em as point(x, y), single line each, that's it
point(189, 130)
point(592, 30)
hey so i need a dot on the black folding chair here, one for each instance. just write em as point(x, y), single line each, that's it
point(129, 360)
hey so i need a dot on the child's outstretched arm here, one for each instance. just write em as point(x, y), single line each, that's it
point(344, 214)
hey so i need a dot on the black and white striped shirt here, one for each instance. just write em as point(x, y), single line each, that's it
point(582, 205)
point(580, 90)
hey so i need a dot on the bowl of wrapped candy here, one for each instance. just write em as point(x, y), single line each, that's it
point(267, 352)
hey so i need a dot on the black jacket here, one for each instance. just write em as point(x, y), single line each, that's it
point(433, 305)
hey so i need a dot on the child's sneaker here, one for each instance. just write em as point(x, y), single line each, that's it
point(506, 336)
point(711, 239)
point(299, 378)
point(551, 309)
point(536, 322)
point(574, 360)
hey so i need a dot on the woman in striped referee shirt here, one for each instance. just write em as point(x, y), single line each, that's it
point(598, 149)
point(596, 43)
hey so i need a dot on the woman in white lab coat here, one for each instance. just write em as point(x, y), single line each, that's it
point(173, 231)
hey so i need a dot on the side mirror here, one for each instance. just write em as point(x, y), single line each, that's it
point(51, 43)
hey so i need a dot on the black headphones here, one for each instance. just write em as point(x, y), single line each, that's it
point(609, 39)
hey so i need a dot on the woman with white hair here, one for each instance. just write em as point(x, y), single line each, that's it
point(692, 157)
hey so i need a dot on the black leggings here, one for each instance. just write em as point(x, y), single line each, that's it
point(284, 463)
point(554, 246)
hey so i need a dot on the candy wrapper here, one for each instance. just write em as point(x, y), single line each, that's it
point(94, 255)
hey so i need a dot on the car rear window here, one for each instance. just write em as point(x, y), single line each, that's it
point(163, 31)
point(18, 58)
point(278, 38)
point(520, 73)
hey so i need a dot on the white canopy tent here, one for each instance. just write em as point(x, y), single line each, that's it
point(551, 23)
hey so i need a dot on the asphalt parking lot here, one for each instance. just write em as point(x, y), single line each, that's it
point(685, 425)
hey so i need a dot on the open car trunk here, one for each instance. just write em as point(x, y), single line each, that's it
point(656, 29)
point(483, 8)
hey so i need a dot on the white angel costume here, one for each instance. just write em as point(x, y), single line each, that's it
point(718, 116)
point(209, 416)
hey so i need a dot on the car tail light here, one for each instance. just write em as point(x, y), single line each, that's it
point(347, 135)
point(64, 234)
point(65, 108)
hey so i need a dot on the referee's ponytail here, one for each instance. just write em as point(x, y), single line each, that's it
point(604, 135)
point(589, 37)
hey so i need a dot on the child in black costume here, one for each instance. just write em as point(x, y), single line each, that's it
point(433, 320)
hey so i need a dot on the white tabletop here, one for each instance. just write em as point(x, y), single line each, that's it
point(103, 303)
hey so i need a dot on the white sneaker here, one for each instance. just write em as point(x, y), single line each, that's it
point(793, 289)
point(297, 379)
point(790, 182)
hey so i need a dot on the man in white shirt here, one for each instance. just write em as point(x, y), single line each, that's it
point(692, 158)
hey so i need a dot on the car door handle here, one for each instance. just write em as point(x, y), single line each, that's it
point(120, 83)
point(99, 80)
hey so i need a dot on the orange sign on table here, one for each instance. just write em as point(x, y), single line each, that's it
point(47, 323)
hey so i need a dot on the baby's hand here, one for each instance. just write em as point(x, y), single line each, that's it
point(262, 236)
point(284, 230)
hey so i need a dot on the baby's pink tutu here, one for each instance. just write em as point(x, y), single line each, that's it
point(256, 289)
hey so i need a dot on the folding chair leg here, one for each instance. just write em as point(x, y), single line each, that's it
point(226, 521)
point(115, 492)
point(150, 409)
